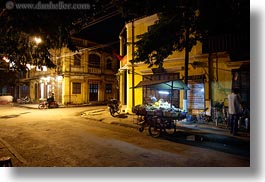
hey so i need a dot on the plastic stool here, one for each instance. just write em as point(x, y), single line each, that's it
point(5, 162)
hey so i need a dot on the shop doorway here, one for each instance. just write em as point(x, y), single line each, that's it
point(93, 92)
point(164, 94)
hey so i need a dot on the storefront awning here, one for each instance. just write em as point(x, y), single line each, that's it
point(163, 84)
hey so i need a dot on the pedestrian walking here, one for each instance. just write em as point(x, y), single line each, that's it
point(234, 108)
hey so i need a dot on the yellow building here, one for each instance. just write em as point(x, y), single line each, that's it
point(210, 76)
point(83, 77)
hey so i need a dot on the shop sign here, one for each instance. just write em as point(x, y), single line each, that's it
point(196, 77)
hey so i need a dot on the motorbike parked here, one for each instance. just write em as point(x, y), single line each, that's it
point(25, 100)
point(114, 107)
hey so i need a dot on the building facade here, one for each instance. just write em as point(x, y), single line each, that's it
point(83, 77)
point(210, 75)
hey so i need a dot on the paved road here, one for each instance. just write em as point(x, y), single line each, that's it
point(61, 137)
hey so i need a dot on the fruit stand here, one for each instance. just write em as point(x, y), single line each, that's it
point(159, 116)
point(158, 119)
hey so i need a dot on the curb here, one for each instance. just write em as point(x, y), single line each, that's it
point(13, 151)
point(196, 133)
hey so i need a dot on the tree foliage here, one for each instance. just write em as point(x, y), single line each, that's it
point(182, 23)
point(53, 26)
point(168, 34)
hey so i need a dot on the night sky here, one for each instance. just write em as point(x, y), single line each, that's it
point(104, 32)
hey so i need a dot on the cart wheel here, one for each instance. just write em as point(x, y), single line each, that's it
point(112, 112)
point(141, 129)
point(170, 130)
point(155, 129)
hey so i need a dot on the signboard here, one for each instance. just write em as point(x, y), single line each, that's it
point(196, 96)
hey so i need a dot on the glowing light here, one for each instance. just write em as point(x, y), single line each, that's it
point(28, 66)
point(59, 78)
point(6, 59)
point(44, 68)
point(37, 40)
point(163, 92)
point(12, 64)
point(48, 79)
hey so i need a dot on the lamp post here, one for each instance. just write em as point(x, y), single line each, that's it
point(36, 41)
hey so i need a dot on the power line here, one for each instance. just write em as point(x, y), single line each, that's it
point(80, 20)
point(94, 22)
point(87, 22)
point(110, 15)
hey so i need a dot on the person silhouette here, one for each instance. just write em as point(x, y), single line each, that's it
point(50, 99)
point(234, 108)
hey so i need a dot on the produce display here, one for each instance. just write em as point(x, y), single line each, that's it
point(160, 108)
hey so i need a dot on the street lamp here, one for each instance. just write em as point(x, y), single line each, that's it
point(37, 40)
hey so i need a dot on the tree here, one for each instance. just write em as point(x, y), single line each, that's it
point(176, 30)
point(168, 34)
point(177, 18)
point(181, 24)
point(54, 26)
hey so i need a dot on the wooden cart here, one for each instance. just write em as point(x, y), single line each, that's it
point(157, 121)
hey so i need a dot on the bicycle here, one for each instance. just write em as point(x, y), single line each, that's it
point(203, 117)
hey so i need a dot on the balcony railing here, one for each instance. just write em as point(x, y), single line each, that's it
point(94, 70)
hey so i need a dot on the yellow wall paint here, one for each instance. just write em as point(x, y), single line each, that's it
point(220, 87)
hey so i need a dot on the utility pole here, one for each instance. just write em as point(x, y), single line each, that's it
point(187, 50)
point(133, 94)
point(186, 74)
point(210, 71)
point(58, 64)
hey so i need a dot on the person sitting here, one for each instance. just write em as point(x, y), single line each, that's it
point(50, 99)
point(153, 99)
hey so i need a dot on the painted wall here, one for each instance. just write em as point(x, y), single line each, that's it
point(69, 73)
point(222, 76)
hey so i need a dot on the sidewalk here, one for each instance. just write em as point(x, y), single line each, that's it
point(193, 132)
point(205, 135)
point(129, 120)
point(35, 106)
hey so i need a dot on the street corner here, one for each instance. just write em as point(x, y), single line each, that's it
point(122, 119)
point(98, 114)
point(103, 115)
point(8, 156)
